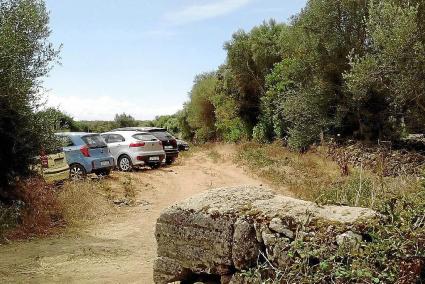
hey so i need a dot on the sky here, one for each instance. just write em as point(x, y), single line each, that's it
point(141, 56)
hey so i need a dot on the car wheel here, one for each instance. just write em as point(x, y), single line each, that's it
point(155, 166)
point(77, 172)
point(169, 161)
point(124, 164)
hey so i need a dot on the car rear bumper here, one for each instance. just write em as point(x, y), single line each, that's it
point(55, 175)
point(149, 159)
point(102, 164)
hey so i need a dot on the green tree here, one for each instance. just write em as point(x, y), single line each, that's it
point(60, 121)
point(229, 125)
point(200, 109)
point(26, 55)
point(250, 57)
point(125, 120)
point(186, 132)
point(392, 70)
point(169, 122)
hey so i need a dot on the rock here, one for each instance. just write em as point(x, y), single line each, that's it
point(226, 279)
point(223, 230)
point(167, 270)
point(280, 253)
point(269, 238)
point(277, 225)
point(240, 278)
point(257, 227)
point(349, 238)
point(246, 248)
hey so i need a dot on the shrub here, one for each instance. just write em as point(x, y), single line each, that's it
point(25, 57)
point(41, 212)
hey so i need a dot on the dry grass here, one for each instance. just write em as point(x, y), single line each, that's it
point(85, 201)
point(312, 176)
point(39, 213)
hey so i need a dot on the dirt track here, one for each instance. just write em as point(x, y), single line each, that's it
point(122, 249)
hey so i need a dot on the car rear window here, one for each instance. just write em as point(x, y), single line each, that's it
point(94, 141)
point(144, 137)
point(162, 135)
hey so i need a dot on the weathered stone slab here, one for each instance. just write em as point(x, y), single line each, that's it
point(223, 231)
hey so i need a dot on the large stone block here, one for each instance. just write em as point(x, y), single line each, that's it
point(223, 231)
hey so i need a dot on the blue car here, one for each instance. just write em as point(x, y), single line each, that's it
point(86, 153)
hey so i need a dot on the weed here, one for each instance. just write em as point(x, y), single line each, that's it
point(129, 190)
point(84, 201)
point(395, 250)
point(40, 210)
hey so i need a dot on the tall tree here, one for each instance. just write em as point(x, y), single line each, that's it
point(26, 55)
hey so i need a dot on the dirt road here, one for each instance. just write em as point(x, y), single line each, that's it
point(121, 249)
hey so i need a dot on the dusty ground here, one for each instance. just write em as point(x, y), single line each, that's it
point(122, 248)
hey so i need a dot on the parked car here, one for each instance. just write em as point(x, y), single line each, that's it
point(86, 153)
point(182, 145)
point(52, 166)
point(169, 143)
point(134, 148)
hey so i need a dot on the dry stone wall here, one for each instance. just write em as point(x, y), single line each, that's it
point(218, 234)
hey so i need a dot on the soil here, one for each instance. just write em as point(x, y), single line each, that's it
point(122, 248)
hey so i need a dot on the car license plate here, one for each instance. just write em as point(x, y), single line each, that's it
point(168, 147)
point(154, 159)
point(104, 163)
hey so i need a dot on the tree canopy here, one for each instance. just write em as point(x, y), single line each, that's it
point(349, 68)
point(26, 56)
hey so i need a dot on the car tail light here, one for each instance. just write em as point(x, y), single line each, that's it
point(85, 151)
point(137, 144)
point(44, 161)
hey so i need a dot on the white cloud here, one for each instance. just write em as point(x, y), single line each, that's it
point(199, 12)
point(105, 107)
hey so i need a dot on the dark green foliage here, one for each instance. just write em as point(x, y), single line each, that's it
point(25, 57)
point(350, 68)
point(250, 57)
point(200, 110)
point(60, 121)
point(169, 122)
point(125, 120)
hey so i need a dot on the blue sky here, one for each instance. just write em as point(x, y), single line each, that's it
point(140, 56)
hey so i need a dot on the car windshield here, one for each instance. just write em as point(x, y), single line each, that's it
point(145, 137)
point(162, 135)
point(94, 141)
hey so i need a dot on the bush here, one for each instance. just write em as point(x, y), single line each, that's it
point(394, 246)
point(25, 57)
point(41, 212)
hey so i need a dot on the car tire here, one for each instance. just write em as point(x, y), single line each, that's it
point(169, 161)
point(125, 164)
point(77, 172)
point(155, 166)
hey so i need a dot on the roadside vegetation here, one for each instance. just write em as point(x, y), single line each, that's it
point(337, 71)
point(346, 69)
point(395, 247)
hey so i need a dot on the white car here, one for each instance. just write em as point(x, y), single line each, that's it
point(134, 149)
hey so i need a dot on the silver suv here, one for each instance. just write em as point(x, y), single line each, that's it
point(134, 149)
